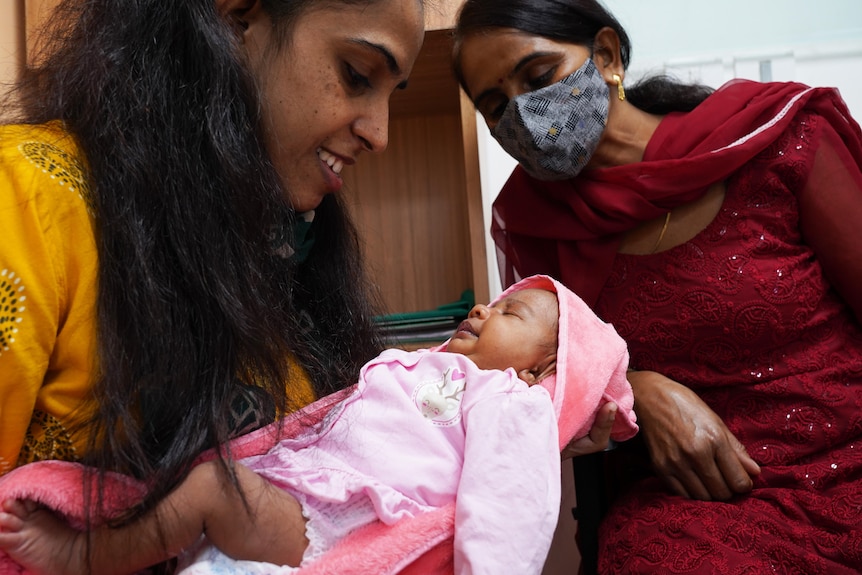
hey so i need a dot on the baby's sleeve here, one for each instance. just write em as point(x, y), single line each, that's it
point(509, 494)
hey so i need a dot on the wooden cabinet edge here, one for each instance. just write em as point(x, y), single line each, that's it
point(473, 192)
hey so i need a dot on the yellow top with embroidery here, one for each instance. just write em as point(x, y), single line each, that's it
point(48, 283)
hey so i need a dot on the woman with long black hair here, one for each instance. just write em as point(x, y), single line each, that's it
point(177, 264)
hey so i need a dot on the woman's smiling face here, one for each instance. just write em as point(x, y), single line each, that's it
point(325, 93)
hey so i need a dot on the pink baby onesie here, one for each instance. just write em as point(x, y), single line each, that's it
point(422, 430)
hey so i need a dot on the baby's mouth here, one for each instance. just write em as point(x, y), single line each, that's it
point(466, 327)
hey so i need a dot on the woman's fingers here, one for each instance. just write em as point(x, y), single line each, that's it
point(598, 437)
point(729, 472)
point(736, 466)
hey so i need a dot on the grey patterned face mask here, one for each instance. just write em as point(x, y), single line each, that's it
point(553, 131)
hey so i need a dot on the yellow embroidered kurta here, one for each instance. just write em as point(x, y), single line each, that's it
point(48, 283)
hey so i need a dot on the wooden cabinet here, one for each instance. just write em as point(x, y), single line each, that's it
point(418, 205)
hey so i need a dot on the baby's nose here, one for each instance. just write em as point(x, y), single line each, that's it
point(479, 311)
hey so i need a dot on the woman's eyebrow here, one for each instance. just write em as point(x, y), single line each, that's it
point(527, 59)
point(391, 62)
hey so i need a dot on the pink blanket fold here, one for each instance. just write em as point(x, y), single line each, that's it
point(418, 546)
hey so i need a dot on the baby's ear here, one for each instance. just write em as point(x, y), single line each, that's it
point(548, 366)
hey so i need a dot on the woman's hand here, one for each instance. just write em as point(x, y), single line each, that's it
point(690, 446)
point(598, 437)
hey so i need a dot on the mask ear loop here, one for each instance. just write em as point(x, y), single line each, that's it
point(621, 92)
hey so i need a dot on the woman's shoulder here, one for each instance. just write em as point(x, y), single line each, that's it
point(53, 134)
point(41, 166)
point(42, 151)
point(44, 198)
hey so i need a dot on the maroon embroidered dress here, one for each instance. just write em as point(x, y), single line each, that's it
point(742, 314)
point(759, 314)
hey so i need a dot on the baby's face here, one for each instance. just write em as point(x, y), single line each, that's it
point(519, 331)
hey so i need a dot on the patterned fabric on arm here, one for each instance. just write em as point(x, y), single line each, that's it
point(47, 281)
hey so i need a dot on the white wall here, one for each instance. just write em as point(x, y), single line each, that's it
point(816, 43)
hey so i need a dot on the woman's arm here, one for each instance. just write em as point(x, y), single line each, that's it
point(48, 287)
point(35, 296)
point(689, 445)
point(830, 212)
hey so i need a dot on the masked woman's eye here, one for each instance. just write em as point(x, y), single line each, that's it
point(544, 79)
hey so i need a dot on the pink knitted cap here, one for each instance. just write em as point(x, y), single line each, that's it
point(591, 366)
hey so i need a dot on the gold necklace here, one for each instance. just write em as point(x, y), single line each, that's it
point(661, 234)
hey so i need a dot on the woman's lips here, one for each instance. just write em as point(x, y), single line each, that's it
point(331, 166)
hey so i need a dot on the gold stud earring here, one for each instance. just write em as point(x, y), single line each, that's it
point(621, 92)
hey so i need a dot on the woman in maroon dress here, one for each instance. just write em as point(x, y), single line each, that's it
point(718, 232)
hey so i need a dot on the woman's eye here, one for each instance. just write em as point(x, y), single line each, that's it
point(543, 80)
point(355, 79)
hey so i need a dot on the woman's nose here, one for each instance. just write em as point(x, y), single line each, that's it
point(372, 128)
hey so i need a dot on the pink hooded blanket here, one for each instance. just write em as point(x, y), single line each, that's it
point(591, 370)
point(592, 360)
